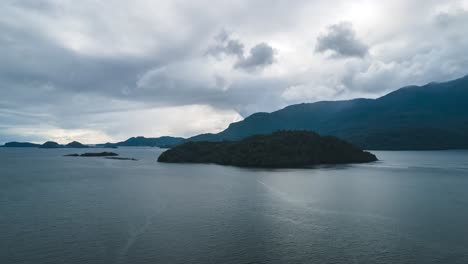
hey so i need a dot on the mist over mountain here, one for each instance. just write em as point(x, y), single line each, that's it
point(433, 116)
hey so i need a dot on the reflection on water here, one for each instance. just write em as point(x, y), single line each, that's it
point(410, 207)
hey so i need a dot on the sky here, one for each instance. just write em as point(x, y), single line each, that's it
point(102, 71)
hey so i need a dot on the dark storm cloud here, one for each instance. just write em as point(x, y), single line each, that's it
point(261, 56)
point(226, 46)
point(342, 41)
point(234, 47)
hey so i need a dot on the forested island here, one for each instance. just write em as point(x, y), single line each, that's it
point(283, 149)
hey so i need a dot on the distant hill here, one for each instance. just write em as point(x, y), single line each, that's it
point(285, 149)
point(50, 145)
point(75, 144)
point(161, 142)
point(429, 117)
point(20, 145)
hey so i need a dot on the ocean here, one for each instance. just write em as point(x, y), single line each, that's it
point(409, 207)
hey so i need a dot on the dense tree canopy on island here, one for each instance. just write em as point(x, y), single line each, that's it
point(284, 149)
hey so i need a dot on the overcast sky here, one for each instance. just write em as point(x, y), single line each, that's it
point(98, 71)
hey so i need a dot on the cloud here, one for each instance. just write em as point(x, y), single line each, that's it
point(226, 46)
point(261, 56)
point(341, 40)
point(214, 83)
point(109, 120)
point(114, 69)
point(62, 136)
point(454, 16)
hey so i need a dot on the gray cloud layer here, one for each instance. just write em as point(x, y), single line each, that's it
point(341, 39)
point(87, 69)
point(262, 55)
point(226, 46)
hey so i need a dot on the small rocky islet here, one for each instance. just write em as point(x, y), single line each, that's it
point(93, 154)
point(107, 155)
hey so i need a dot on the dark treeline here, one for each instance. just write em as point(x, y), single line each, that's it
point(284, 149)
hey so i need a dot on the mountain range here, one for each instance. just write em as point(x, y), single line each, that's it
point(429, 117)
point(46, 145)
point(162, 142)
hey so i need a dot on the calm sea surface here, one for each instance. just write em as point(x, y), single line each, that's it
point(410, 207)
